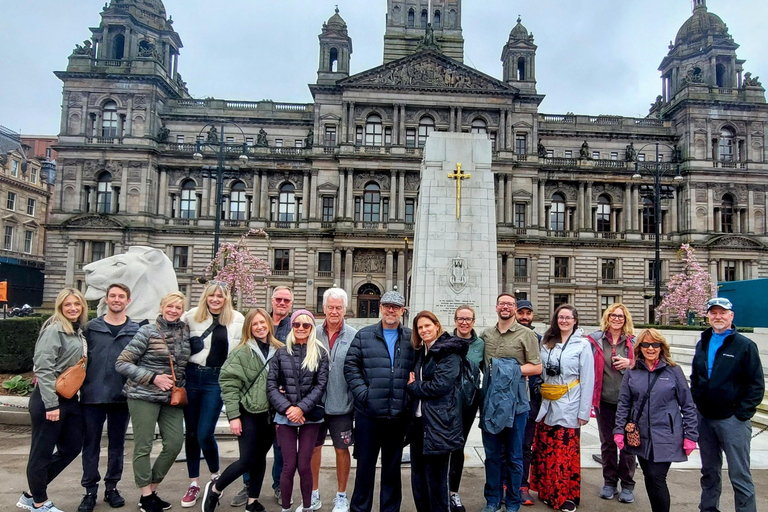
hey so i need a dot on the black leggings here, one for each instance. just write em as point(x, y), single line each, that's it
point(254, 442)
point(456, 467)
point(65, 436)
point(655, 474)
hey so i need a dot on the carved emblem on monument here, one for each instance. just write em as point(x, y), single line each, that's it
point(458, 278)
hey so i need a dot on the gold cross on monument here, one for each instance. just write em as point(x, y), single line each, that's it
point(458, 176)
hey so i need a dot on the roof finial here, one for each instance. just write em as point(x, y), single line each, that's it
point(337, 8)
point(519, 18)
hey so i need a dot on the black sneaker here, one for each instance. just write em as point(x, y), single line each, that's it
point(455, 503)
point(210, 498)
point(164, 505)
point(149, 504)
point(88, 503)
point(112, 496)
point(255, 507)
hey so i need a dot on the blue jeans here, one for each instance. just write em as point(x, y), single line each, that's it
point(200, 416)
point(505, 450)
point(733, 437)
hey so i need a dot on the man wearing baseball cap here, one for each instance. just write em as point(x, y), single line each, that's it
point(378, 364)
point(727, 385)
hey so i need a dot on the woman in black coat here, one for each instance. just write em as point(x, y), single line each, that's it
point(437, 425)
point(667, 421)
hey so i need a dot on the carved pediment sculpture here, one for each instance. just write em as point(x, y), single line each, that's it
point(93, 221)
point(734, 242)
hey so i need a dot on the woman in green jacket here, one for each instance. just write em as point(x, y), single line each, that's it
point(243, 381)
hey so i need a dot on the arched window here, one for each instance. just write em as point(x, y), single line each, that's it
point(426, 126)
point(436, 20)
point(726, 214)
point(720, 75)
point(424, 16)
point(649, 217)
point(603, 214)
point(451, 19)
point(521, 68)
point(411, 18)
point(237, 201)
point(726, 145)
point(188, 207)
point(371, 203)
point(287, 203)
point(479, 126)
point(334, 60)
point(373, 130)
point(109, 120)
point(368, 296)
point(118, 47)
point(104, 193)
point(557, 213)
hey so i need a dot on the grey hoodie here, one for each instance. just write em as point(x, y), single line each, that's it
point(338, 398)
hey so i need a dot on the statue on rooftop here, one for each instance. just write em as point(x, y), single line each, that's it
point(84, 49)
point(261, 138)
point(541, 150)
point(213, 135)
point(629, 153)
point(310, 139)
point(584, 151)
point(162, 135)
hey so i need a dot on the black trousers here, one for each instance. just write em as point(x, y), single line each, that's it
point(254, 443)
point(374, 435)
point(618, 465)
point(64, 436)
point(94, 415)
point(429, 474)
point(655, 474)
point(468, 415)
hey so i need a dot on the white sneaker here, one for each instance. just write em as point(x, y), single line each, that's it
point(48, 506)
point(316, 503)
point(340, 504)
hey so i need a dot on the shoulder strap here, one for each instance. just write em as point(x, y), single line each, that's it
point(170, 356)
point(257, 376)
point(647, 394)
point(209, 330)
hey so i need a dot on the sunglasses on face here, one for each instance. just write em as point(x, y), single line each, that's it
point(279, 300)
point(305, 326)
point(655, 344)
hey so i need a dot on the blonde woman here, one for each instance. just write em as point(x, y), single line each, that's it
point(146, 363)
point(612, 349)
point(243, 383)
point(215, 328)
point(57, 422)
point(298, 375)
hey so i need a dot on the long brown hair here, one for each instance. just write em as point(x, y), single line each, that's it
point(416, 341)
point(652, 336)
point(248, 335)
point(552, 335)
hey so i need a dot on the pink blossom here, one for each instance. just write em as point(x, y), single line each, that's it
point(689, 290)
point(245, 273)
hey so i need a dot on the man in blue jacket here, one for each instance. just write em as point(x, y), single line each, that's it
point(377, 368)
point(727, 385)
point(101, 396)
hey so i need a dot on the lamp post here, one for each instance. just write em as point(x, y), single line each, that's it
point(657, 172)
point(217, 142)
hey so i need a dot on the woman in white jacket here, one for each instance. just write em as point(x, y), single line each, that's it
point(569, 381)
point(215, 328)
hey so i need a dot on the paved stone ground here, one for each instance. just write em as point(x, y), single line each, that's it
point(66, 491)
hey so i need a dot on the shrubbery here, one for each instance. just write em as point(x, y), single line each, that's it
point(17, 343)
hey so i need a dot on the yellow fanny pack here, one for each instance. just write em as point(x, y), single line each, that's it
point(556, 391)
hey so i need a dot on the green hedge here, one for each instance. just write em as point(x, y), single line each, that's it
point(17, 343)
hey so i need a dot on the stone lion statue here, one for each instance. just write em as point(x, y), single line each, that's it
point(147, 271)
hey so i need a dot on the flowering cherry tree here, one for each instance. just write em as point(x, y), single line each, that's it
point(689, 290)
point(245, 273)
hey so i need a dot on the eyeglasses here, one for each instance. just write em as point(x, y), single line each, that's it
point(391, 307)
point(306, 326)
point(279, 300)
point(613, 316)
point(505, 304)
point(463, 320)
point(334, 308)
point(655, 344)
point(564, 318)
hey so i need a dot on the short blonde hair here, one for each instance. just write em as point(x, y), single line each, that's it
point(628, 328)
point(171, 298)
point(58, 315)
point(227, 312)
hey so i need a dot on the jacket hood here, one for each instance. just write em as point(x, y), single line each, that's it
point(449, 344)
point(472, 335)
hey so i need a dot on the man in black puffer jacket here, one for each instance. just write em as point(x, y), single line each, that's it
point(378, 364)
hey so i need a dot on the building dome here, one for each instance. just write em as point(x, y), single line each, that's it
point(701, 25)
point(151, 12)
point(519, 31)
point(336, 21)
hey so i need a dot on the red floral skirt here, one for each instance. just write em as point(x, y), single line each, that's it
point(556, 464)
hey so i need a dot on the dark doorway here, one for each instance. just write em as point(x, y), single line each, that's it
point(368, 301)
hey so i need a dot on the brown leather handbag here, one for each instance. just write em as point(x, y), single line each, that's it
point(631, 430)
point(71, 380)
point(178, 395)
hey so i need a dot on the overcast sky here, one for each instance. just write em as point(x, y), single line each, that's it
point(594, 56)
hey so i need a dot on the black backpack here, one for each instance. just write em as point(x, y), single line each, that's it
point(469, 383)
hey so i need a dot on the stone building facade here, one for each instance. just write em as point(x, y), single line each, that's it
point(335, 182)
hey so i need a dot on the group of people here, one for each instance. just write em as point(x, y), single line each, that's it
point(286, 383)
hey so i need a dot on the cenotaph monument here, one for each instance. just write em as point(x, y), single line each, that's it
point(454, 252)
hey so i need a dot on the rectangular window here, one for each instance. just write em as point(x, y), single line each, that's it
point(608, 269)
point(385, 210)
point(30, 206)
point(521, 295)
point(410, 138)
point(230, 140)
point(388, 136)
point(282, 260)
point(519, 215)
point(561, 267)
point(605, 301)
point(48, 153)
point(330, 136)
point(33, 176)
point(180, 257)
point(661, 158)
point(614, 155)
point(410, 207)
point(559, 299)
point(550, 153)
point(729, 270)
point(8, 238)
point(641, 157)
point(200, 138)
point(521, 267)
point(521, 144)
point(28, 237)
point(11, 202)
point(249, 141)
point(327, 209)
point(278, 143)
point(179, 139)
point(359, 136)
point(324, 262)
point(319, 300)
point(298, 143)
point(15, 168)
point(568, 153)
point(358, 203)
point(652, 270)
point(595, 155)
point(492, 136)
point(98, 250)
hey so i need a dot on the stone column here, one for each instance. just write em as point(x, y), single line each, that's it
point(171, 208)
point(508, 200)
point(628, 207)
point(501, 137)
point(395, 124)
point(452, 122)
point(534, 220)
point(499, 198)
point(344, 123)
point(710, 208)
point(750, 211)
point(389, 269)
point(500, 263)
point(351, 123)
point(542, 215)
point(348, 272)
point(402, 124)
point(580, 207)
point(674, 227)
point(710, 152)
point(718, 220)
point(69, 276)
point(636, 208)
point(264, 196)
point(312, 195)
point(401, 196)
point(350, 194)
point(510, 134)
point(459, 115)
point(748, 149)
point(255, 206)
point(737, 221)
point(393, 197)
point(161, 209)
point(305, 197)
point(588, 200)
point(713, 271)
point(534, 278)
point(401, 272)
point(340, 199)
point(754, 272)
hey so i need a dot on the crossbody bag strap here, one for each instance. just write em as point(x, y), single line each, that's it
point(645, 398)
point(257, 377)
point(209, 330)
point(170, 356)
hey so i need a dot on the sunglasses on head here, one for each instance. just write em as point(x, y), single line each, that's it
point(646, 344)
point(296, 325)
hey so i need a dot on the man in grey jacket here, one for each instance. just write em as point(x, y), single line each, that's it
point(336, 335)
point(102, 397)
